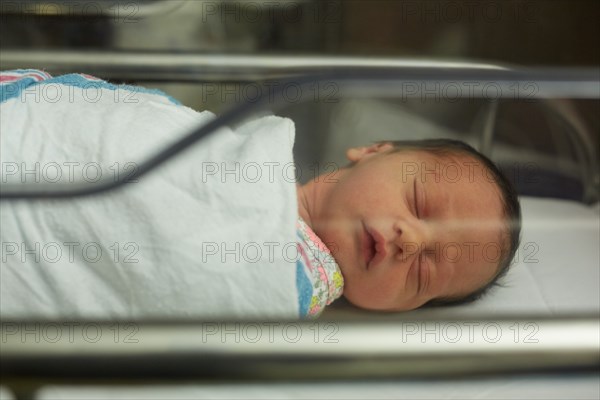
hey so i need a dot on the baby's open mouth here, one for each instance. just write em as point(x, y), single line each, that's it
point(369, 249)
point(374, 246)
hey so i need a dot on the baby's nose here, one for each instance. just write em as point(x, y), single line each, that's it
point(409, 240)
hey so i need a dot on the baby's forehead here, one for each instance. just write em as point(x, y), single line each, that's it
point(443, 165)
point(441, 155)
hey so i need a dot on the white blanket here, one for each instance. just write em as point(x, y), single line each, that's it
point(204, 236)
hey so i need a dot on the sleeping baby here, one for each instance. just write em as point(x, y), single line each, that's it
point(406, 224)
point(412, 223)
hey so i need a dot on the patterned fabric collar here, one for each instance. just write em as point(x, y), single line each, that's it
point(328, 283)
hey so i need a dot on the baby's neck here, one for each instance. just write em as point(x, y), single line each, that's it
point(303, 204)
point(313, 195)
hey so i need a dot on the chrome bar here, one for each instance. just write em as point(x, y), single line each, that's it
point(206, 67)
point(334, 349)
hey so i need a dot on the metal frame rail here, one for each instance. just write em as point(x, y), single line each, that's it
point(35, 354)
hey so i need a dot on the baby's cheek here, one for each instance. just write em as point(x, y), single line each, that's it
point(334, 250)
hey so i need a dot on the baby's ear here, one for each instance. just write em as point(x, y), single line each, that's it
point(356, 154)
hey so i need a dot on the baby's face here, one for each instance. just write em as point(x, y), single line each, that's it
point(407, 227)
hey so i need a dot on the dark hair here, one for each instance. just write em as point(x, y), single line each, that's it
point(510, 200)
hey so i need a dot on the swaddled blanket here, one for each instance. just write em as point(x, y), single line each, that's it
point(210, 234)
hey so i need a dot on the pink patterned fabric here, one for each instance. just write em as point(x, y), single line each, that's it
point(323, 271)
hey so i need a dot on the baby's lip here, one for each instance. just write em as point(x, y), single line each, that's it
point(368, 246)
point(380, 250)
point(374, 246)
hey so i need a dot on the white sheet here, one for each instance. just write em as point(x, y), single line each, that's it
point(558, 265)
point(178, 243)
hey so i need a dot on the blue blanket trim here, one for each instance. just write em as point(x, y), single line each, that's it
point(13, 89)
point(8, 92)
point(305, 289)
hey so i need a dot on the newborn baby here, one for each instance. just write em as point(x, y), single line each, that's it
point(413, 223)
